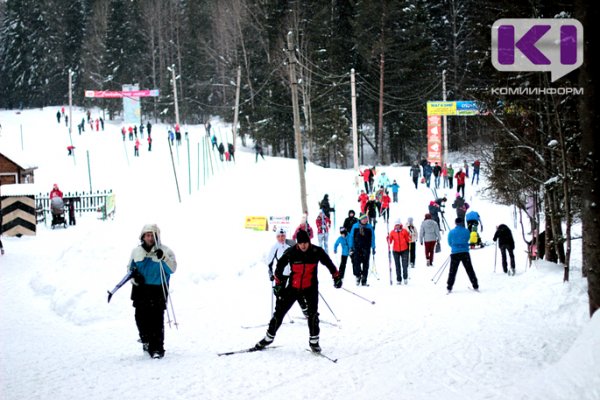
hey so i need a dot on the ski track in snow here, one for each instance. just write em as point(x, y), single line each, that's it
point(60, 339)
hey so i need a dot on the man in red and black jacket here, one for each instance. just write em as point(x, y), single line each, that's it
point(303, 259)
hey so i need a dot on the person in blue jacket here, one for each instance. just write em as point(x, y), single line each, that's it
point(395, 187)
point(361, 240)
point(458, 239)
point(151, 265)
point(342, 241)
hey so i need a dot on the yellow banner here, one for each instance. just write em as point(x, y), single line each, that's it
point(441, 108)
point(256, 223)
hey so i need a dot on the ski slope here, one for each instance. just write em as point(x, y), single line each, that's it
point(522, 337)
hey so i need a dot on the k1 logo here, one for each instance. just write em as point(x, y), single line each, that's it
point(554, 45)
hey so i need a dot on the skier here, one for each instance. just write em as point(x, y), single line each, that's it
point(427, 171)
point(412, 244)
point(231, 150)
point(280, 246)
point(221, 151)
point(259, 151)
point(371, 210)
point(303, 260)
point(473, 220)
point(461, 206)
point(149, 128)
point(450, 176)
point(460, 181)
point(399, 238)
point(325, 206)
point(152, 264)
point(437, 171)
point(323, 226)
point(372, 178)
point(363, 198)
point(458, 239)
point(383, 180)
point(136, 148)
point(366, 174)
point(395, 187)
point(350, 221)
point(434, 210)
point(445, 175)
point(430, 234)
point(149, 143)
point(58, 115)
point(342, 241)
point(361, 240)
point(506, 243)
point(415, 172)
point(476, 166)
point(385, 207)
point(304, 226)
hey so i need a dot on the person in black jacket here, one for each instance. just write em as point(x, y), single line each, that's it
point(350, 221)
point(506, 243)
point(325, 206)
point(303, 259)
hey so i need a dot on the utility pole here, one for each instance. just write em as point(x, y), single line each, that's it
point(70, 105)
point(445, 119)
point(70, 109)
point(354, 127)
point(172, 69)
point(237, 103)
point(298, 136)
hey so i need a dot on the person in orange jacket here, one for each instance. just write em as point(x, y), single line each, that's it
point(399, 239)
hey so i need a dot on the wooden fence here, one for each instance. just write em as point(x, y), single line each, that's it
point(102, 202)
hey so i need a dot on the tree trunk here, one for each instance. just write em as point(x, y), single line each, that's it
point(587, 14)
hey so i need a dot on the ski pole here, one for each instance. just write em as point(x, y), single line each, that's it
point(332, 313)
point(165, 287)
point(358, 295)
point(389, 251)
point(495, 256)
point(440, 271)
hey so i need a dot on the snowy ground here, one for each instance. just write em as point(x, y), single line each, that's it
point(522, 337)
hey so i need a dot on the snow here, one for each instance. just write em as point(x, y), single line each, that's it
point(522, 337)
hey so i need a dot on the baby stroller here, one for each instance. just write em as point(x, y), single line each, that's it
point(57, 207)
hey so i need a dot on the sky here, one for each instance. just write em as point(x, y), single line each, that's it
point(527, 336)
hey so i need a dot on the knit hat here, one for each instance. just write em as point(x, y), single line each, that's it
point(343, 230)
point(302, 237)
point(281, 231)
point(427, 216)
point(398, 222)
point(409, 220)
point(362, 216)
point(459, 221)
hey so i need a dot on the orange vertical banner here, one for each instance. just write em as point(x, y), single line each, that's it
point(434, 139)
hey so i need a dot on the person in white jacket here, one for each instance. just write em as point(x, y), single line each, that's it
point(430, 235)
point(280, 246)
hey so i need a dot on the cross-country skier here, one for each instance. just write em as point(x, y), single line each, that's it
point(361, 240)
point(303, 260)
point(505, 243)
point(458, 239)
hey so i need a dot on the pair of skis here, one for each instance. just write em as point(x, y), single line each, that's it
point(255, 349)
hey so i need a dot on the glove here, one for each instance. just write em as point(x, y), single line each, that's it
point(373, 251)
point(351, 253)
point(337, 282)
point(160, 254)
point(277, 289)
point(138, 278)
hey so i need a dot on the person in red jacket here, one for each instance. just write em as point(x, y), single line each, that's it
point(460, 181)
point(55, 192)
point(304, 226)
point(366, 174)
point(303, 260)
point(363, 198)
point(323, 226)
point(385, 206)
point(399, 239)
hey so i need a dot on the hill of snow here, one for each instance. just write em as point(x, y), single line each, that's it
point(522, 337)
